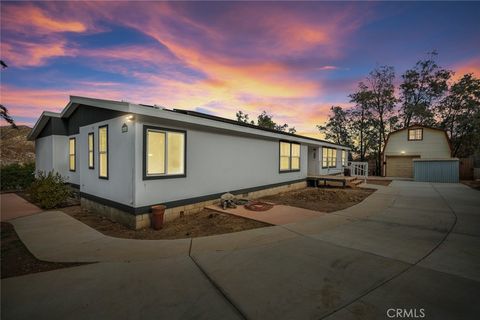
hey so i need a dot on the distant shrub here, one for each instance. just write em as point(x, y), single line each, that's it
point(49, 190)
point(17, 176)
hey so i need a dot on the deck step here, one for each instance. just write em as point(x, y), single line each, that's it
point(356, 182)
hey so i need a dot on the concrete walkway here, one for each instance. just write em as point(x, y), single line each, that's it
point(278, 215)
point(13, 206)
point(410, 245)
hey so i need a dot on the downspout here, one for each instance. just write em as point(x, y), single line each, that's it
point(134, 166)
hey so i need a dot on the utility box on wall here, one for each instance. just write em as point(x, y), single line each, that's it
point(436, 170)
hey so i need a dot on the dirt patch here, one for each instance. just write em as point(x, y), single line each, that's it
point(321, 199)
point(475, 184)
point(17, 260)
point(204, 223)
point(379, 182)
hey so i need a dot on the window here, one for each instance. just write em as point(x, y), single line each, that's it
point(289, 156)
point(284, 156)
point(71, 154)
point(329, 157)
point(164, 153)
point(103, 152)
point(344, 158)
point(415, 134)
point(295, 156)
point(91, 143)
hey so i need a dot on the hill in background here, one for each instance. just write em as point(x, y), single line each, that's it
point(14, 146)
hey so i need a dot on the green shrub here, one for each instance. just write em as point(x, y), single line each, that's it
point(17, 176)
point(49, 190)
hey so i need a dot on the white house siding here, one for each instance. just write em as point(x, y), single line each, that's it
point(216, 162)
point(51, 153)
point(121, 162)
point(433, 146)
point(44, 154)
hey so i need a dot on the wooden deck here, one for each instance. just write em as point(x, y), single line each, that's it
point(351, 181)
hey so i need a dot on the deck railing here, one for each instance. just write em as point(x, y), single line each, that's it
point(359, 169)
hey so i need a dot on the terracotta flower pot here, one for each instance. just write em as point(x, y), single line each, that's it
point(157, 216)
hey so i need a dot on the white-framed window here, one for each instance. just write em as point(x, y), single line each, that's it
point(415, 134)
point(344, 158)
point(295, 160)
point(329, 157)
point(91, 145)
point(103, 152)
point(164, 152)
point(72, 154)
point(289, 156)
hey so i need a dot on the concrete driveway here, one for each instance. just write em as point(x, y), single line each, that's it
point(410, 246)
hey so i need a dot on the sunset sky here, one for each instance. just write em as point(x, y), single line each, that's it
point(293, 60)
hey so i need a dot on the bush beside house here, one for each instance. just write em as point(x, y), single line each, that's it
point(49, 190)
point(16, 176)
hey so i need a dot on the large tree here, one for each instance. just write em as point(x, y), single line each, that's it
point(336, 128)
point(377, 95)
point(360, 121)
point(459, 114)
point(421, 87)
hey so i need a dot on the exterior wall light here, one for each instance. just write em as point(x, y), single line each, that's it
point(402, 152)
point(130, 117)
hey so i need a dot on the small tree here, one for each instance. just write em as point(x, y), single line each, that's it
point(49, 190)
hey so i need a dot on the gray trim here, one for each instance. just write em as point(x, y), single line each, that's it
point(120, 108)
point(144, 160)
point(411, 129)
point(178, 203)
point(93, 150)
point(107, 152)
point(74, 154)
point(329, 167)
point(82, 116)
point(280, 154)
point(54, 126)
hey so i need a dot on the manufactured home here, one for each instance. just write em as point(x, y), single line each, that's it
point(125, 157)
point(420, 152)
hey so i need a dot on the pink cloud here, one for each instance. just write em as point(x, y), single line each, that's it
point(32, 19)
point(233, 69)
point(30, 54)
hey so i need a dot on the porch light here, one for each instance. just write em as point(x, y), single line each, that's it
point(130, 117)
point(402, 152)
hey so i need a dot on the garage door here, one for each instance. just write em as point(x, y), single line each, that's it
point(400, 166)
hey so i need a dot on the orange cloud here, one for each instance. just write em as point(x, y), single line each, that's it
point(28, 17)
point(29, 54)
point(465, 67)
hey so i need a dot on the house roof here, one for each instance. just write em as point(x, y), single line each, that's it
point(172, 114)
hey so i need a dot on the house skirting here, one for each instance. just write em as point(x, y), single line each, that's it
point(139, 218)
